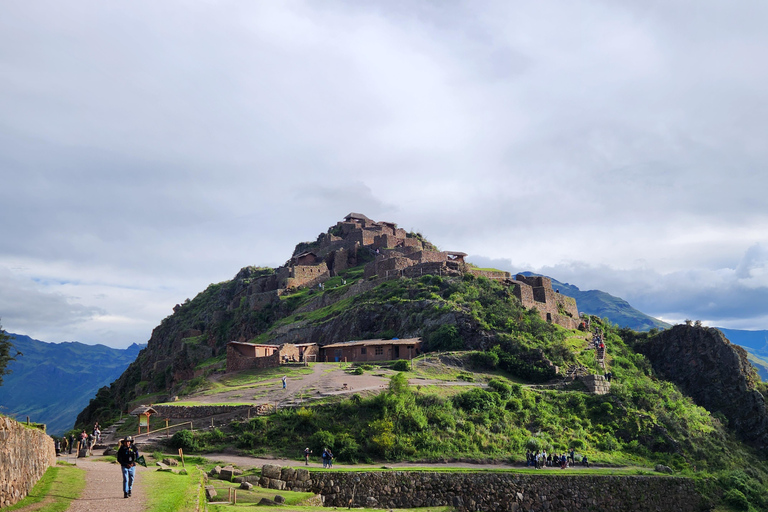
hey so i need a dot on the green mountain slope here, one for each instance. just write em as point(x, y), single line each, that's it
point(52, 382)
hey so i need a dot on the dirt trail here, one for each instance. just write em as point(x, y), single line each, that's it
point(104, 488)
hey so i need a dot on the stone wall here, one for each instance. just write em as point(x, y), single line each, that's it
point(237, 361)
point(25, 455)
point(184, 412)
point(596, 384)
point(491, 492)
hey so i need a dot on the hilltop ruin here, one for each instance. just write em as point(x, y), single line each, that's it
point(389, 252)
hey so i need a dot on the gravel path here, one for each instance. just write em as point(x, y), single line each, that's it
point(104, 489)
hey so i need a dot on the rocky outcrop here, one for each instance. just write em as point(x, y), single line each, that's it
point(25, 455)
point(490, 491)
point(715, 373)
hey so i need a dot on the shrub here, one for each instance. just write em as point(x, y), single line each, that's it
point(484, 360)
point(185, 440)
point(401, 366)
point(736, 498)
point(358, 371)
point(476, 400)
point(445, 337)
point(502, 388)
point(320, 440)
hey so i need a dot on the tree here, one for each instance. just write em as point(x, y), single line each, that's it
point(5, 353)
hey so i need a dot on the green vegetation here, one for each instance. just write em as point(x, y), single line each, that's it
point(173, 492)
point(55, 491)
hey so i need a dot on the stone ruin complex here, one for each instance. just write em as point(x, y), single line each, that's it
point(392, 252)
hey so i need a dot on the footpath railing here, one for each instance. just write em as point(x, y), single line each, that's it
point(167, 429)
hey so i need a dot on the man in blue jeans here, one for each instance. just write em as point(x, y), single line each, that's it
point(126, 456)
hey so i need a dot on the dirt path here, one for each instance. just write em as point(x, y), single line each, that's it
point(104, 489)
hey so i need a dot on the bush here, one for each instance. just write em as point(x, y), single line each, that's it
point(401, 366)
point(736, 498)
point(320, 440)
point(476, 400)
point(502, 388)
point(445, 337)
point(484, 360)
point(358, 371)
point(185, 440)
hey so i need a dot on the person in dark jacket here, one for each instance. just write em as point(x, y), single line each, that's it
point(126, 456)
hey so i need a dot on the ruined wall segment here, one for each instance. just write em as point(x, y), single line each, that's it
point(25, 455)
point(491, 492)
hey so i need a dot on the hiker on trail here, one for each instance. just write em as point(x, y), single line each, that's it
point(326, 458)
point(71, 442)
point(307, 451)
point(285, 381)
point(126, 456)
point(64, 445)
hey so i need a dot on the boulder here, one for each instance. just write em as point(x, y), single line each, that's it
point(215, 471)
point(210, 492)
point(227, 473)
point(288, 474)
point(279, 499)
point(247, 486)
point(276, 483)
point(270, 471)
point(170, 462)
point(268, 502)
point(661, 468)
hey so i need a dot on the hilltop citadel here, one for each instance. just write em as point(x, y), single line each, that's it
point(392, 252)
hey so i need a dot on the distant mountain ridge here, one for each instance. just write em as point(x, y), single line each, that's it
point(52, 382)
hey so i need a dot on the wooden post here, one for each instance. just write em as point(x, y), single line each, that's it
point(181, 454)
point(234, 493)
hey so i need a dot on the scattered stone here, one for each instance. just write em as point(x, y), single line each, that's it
point(247, 486)
point(162, 466)
point(661, 468)
point(279, 499)
point(267, 501)
point(227, 473)
point(210, 492)
point(110, 451)
point(170, 462)
point(215, 471)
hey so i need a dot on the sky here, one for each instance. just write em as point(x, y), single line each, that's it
point(148, 149)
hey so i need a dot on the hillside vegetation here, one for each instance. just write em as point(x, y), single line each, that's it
point(644, 420)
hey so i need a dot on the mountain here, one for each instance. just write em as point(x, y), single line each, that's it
point(52, 382)
point(514, 338)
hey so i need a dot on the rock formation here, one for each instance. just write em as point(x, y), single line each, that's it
point(715, 373)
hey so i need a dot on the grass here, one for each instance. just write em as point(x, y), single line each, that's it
point(171, 492)
point(56, 489)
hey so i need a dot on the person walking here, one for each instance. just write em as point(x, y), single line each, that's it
point(307, 451)
point(285, 381)
point(71, 443)
point(126, 456)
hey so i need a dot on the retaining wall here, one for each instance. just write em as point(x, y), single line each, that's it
point(25, 454)
point(491, 492)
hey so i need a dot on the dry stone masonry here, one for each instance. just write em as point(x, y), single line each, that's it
point(490, 492)
point(25, 455)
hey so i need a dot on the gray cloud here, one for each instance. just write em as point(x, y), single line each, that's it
point(169, 144)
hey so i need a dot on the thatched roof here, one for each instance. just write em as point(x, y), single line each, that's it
point(356, 216)
point(368, 343)
point(143, 409)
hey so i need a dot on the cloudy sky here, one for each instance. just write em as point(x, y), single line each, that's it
point(149, 148)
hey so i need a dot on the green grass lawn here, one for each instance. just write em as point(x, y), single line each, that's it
point(169, 492)
point(55, 491)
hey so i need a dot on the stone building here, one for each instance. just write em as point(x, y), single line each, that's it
point(245, 356)
point(371, 350)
